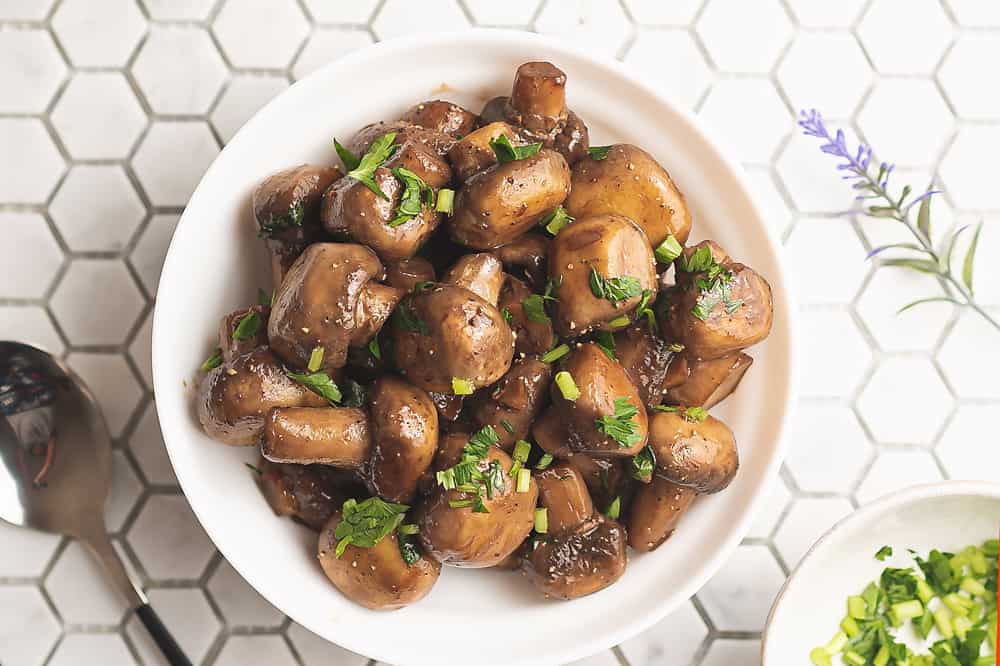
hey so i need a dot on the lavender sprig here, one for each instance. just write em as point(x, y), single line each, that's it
point(872, 185)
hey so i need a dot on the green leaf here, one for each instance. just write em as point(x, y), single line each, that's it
point(248, 327)
point(349, 159)
point(364, 525)
point(556, 220)
point(881, 211)
point(410, 203)
point(924, 217)
point(895, 246)
point(606, 341)
point(380, 151)
point(213, 361)
point(970, 258)
point(621, 426)
point(614, 289)
point(406, 318)
point(599, 152)
point(265, 298)
point(320, 384)
point(949, 242)
point(926, 300)
point(508, 152)
point(883, 552)
point(669, 250)
point(922, 265)
point(641, 465)
point(534, 308)
point(374, 349)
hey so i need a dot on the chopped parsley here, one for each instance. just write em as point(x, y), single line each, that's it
point(469, 477)
point(714, 286)
point(692, 414)
point(406, 318)
point(883, 552)
point(381, 150)
point(213, 361)
point(415, 194)
point(599, 152)
point(408, 549)
point(350, 160)
point(355, 394)
point(643, 309)
point(534, 308)
point(375, 349)
point(365, 524)
point(615, 289)
point(556, 220)
point(614, 509)
point(507, 316)
point(621, 426)
point(508, 152)
point(606, 341)
point(248, 326)
point(320, 384)
point(641, 465)
point(275, 223)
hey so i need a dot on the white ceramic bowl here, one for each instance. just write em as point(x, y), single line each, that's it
point(947, 516)
point(215, 264)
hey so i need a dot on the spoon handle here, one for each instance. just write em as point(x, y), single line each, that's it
point(168, 646)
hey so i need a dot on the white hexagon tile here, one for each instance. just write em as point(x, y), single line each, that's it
point(112, 110)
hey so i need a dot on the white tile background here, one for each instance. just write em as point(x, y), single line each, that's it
point(111, 109)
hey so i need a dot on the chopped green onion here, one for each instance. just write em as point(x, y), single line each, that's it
point(850, 626)
point(567, 386)
point(508, 426)
point(973, 587)
point(315, 359)
point(819, 657)
point(555, 353)
point(856, 608)
point(882, 656)
point(248, 327)
point(614, 509)
point(522, 450)
point(942, 620)
point(556, 220)
point(907, 610)
point(854, 659)
point(461, 386)
point(668, 250)
point(836, 644)
point(924, 591)
point(962, 626)
point(956, 604)
point(460, 504)
point(619, 322)
point(599, 152)
point(409, 529)
point(523, 480)
point(544, 461)
point(542, 520)
point(213, 361)
point(445, 201)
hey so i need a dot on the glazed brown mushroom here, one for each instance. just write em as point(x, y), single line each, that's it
point(697, 453)
point(405, 437)
point(655, 511)
point(582, 552)
point(286, 210)
point(499, 204)
point(449, 405)
point(445, 333)
point(605, 477)
point(234, 398)
point(583, 424)
point(472, 153)
point(602, 247)
point(482, 274)
point(441, 116)
point(335, 436)
point(630, 182)
point(330, 300)
point(236, 340)
point(709, 382)
point(436, 142)
point(645, 356)
point(307, 493)
point(526, 257)
point(716, 316)
point(406, 274)
point(458, 536)
point(574, 139)
point(516, 400)
point(377, 578)
point(534, 334)
point(350, 207)
point(538, 100)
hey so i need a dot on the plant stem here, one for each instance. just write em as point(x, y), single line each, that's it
point(949, 280)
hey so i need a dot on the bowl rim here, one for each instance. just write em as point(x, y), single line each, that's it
point(593, 642)
point(883, 504)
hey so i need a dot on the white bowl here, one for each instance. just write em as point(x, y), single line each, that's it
point(808, 610)
point(215, 263)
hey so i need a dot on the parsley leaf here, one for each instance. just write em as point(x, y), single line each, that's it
point(411, 202)
point(614, 289)
point(275, 223)
point(643, 309)
point(320, 384)
point(364, 525)
point(937, 569)
point(408, 549)
point(898, 584)
point(508, 152)
point(375, 349)
point(349, 159)
point(622, 426)
point(356, 394)
point(248, 327)
point(213, 361)
point(468, 477)
point(883, 552)
point(641, 465)
point(699, 261)
point(556, 220)
point(407, 318)
point(507, 316)
point(599, 152)
point(380, 151)
point(606, 341)
point(534, 308)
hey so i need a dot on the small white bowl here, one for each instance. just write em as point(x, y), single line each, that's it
point(808, 610)
point(215, 264)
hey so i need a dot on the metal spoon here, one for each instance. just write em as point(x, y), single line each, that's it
point(55, 467)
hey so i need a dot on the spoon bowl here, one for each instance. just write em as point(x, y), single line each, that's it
point(55, 466)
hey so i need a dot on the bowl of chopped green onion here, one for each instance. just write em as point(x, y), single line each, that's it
point(908, 580)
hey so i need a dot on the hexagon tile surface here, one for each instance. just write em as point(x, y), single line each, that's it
point(112, 109)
